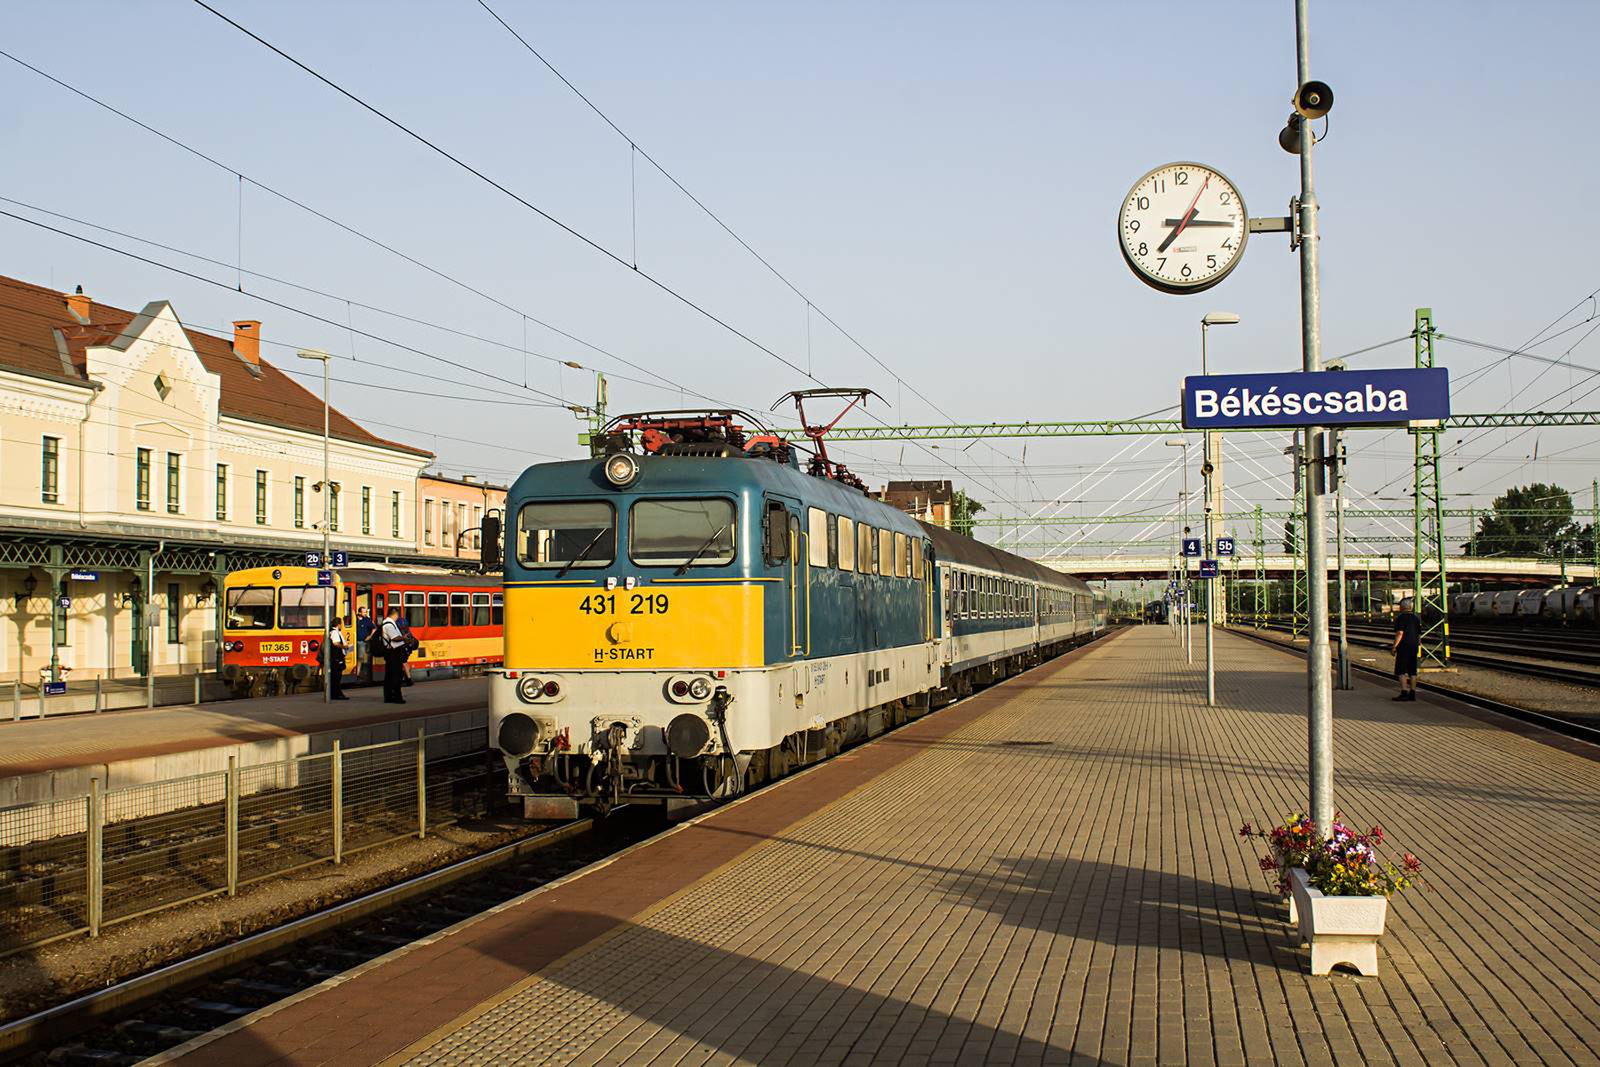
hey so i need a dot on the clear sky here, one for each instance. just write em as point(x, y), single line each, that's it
point(940, 179)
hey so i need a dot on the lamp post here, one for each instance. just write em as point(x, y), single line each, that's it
point(1183, 604)
point(1210, 319)
point(327, 513)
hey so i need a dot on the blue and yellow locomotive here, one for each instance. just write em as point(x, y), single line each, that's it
point(689, 613)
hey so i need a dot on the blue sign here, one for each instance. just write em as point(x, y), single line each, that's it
point(65, 602)
point(324, 577)
point(55, 689)
point(337, 558)
point(1191, 547)
point(313, 559)
point(1325, 398)
point(1208, 568)
point(1224, 546)
point(83, 576)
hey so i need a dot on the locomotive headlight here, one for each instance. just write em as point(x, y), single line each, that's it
point(529, 689)
point(699, 688)
point(621, 470)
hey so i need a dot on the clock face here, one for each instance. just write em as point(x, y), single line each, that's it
point(1183, 227)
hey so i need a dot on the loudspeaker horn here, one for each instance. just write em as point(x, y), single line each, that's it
point(1313, 99)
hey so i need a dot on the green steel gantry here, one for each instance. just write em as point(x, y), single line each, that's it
point(1429, 596)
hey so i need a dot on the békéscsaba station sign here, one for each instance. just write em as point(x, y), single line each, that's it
point(1320, 398)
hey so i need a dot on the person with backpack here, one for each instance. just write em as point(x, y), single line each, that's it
point(394, 644)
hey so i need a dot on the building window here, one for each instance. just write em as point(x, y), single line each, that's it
point(394, 514)
point(299, 503)
point(141, 480)
point(366, 509)
point(333, 506)
point(427, 522)
point(50, 471)
point(222, 492)
point(477, 527)
point(174, 608)
point(174, 482)
point(461, 526)
point(447, 522)
point(261, 498)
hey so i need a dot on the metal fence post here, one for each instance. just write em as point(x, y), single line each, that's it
point(422, 783)
point(41, 701)
point(197, 687)
point(16, 699)
point(99, 694)
point(95, 887)
point(232, 823)
point(338, 803)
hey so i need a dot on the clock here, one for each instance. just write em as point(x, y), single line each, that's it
point(1183, 227)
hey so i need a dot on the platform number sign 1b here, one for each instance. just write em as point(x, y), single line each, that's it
point(1224, 546)
point(1191, 547)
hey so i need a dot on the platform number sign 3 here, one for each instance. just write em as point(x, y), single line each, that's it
point(1183, 227)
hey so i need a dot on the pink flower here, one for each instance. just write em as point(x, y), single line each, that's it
point(1411, 862)
point(1247, 830)
point(1376, 833)
point(1269, 863)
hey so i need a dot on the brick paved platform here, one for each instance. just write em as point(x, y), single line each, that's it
point(36, 746)
point(1047, 872)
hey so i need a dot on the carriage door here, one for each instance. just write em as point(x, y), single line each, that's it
point(781, 548)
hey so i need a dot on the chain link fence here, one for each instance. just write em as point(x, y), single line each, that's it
point(73, 866)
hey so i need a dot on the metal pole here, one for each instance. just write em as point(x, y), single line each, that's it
point(231, 819)
point(94, 889)
point(1338, 522)
point(16, 696)
point(1319, 691)
point(99, 694)
point(338, 802)
point(1188, 592)
point(197, 688)
point(1211, 596)
point(422, 782)
point(149, 632)
point(327, 512)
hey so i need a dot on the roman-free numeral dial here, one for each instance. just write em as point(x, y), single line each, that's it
point(1183, 227)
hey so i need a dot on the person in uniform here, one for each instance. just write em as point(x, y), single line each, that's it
point(1407, 645)
point(336, 661)
point(393, 641)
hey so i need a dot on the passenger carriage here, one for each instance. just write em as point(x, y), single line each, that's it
point(702, 615)
point(273, 622)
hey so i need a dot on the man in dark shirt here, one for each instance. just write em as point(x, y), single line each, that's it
point(1407, 644)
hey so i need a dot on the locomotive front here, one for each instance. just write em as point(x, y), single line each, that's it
point(636, 608)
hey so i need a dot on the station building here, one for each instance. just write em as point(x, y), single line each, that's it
point(141, 460)
point(932, 502)
point(450, 515)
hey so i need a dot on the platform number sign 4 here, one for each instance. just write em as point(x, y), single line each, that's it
point(1191, 547)
point(1183, 227)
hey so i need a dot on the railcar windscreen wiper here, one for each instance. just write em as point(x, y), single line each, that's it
point(581, 556)
point(701, 550)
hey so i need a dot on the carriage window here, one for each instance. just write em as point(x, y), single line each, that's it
point(576, 533)
point(816, 537)
point(416, 611)
point(480, 609)
point(916, 559)
point(250, 608)
point(302, 607)
point(902, 556)
point(497, 609)
point(865, 543)
point(885, 556)
point(438, 609)
point(693, 532)
point(460, 609)
point(847, 544)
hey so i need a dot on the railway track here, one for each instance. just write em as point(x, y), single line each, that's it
point(1378, 637)
point(1555, 724)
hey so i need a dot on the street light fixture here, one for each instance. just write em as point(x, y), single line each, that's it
point(1210, 319)
point(327, 505)
point(1183, 605)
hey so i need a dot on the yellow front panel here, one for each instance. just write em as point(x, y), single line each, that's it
point(655, 627)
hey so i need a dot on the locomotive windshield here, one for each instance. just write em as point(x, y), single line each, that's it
point(250, 608)
point(687, 532)
point(301, 607)
point(572, 534)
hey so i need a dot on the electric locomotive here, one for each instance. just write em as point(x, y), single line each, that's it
point(690, 613)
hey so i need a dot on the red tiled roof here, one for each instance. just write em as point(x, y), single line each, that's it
point(40, 336)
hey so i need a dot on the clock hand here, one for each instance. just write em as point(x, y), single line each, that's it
point(1187, 216)
point(1199, 222)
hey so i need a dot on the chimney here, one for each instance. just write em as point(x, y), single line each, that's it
point(247, 341)
point(79, 305)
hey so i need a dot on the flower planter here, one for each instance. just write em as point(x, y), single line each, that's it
point(1338, 929)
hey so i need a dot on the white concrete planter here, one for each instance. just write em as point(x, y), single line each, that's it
point(1338, 929)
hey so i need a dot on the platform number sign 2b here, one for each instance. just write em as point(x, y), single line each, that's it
point(1224, 546)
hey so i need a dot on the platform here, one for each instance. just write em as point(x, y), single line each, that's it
point(1046, 873)
point(43, 759)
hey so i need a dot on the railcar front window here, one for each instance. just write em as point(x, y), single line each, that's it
point(685, 532)
point(250, 608)
point(572, 534)
point(302, 607)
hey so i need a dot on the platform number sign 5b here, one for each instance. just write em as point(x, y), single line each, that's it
point(1224, 546)
point(1183, 227)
